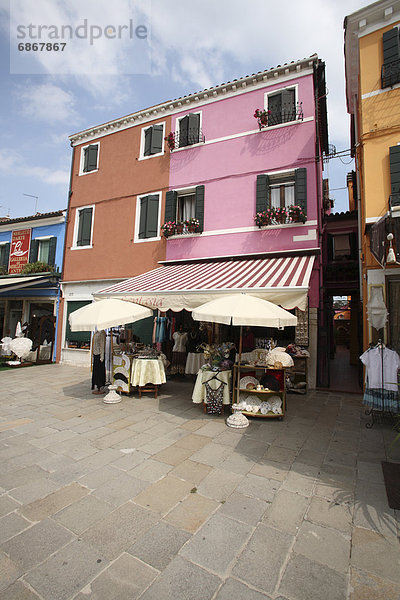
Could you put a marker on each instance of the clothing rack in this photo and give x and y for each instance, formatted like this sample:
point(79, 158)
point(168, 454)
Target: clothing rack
point(385, 412)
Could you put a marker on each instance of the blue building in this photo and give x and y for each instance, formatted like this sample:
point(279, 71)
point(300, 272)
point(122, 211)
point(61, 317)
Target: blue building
point(32, 298)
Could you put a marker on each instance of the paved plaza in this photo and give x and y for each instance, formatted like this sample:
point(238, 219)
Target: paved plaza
point(151, 499)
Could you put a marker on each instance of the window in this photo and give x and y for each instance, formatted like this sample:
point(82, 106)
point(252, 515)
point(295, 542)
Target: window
point(4, 254)
point(391, 58)
point(89, 158)
point(43, 249)
point(147, 217)
point(282, 107)
point(76, 339)
point(282, 190)
point(84, 227)
point(186, 207)
point(189, 131)
point(394, 157)
point(185, 204)
point(152, 143)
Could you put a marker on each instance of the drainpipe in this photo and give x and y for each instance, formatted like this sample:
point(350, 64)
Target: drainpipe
point(65, 243)
point(358, 148)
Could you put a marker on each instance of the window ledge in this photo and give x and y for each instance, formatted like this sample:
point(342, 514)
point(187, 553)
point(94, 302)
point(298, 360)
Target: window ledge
point(151, 156)
point(183, 235)
point(141, 241)
point(81, 247)
point(187, 147)
point(88, 172)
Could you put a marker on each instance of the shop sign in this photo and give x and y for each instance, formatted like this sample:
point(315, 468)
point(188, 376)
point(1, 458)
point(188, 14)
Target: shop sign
point(19, 253)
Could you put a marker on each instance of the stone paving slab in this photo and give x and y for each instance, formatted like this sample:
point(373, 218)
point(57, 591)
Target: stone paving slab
point(151, 498)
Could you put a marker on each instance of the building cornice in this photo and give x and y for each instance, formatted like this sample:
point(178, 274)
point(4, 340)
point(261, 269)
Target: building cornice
point(360, 23)
point(237, 86)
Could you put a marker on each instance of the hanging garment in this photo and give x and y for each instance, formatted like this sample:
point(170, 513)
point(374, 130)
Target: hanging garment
point(381, 389)
point(161, 329)
point(214, 399)
point(373, 360)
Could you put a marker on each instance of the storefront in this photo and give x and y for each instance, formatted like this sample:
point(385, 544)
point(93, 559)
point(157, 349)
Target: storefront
point(32, 301)
point(285, 280)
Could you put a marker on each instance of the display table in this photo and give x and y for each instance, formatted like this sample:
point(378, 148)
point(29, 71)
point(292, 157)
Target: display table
point(145, 370)
point(199, 390)
point(194, 362)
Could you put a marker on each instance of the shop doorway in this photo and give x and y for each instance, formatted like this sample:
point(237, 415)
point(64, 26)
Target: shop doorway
point(341, 368)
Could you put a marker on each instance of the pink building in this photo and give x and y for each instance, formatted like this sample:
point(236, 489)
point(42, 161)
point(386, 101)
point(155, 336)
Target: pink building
point(226, 166)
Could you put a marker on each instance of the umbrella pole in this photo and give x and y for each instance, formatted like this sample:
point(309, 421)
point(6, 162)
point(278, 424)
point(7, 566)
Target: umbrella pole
point(240, 360)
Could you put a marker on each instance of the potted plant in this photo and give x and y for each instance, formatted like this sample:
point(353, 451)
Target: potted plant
point(263, 218)
point(168, 228)
point(261, 116)
point(179, 227)
point(192, 225)
point(280, 215)
point(296, 214)
point(170, 139)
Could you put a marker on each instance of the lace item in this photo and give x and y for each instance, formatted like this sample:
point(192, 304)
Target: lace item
point(214, 399)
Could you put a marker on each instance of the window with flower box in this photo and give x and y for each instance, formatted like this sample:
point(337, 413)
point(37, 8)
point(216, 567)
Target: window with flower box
point(282, 107)
point(283, 194)
point(185, 208)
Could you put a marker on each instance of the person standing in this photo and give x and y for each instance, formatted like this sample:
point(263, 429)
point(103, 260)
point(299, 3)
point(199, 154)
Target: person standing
point(99, 365)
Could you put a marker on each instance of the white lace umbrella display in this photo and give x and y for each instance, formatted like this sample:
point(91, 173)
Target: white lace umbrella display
point(21, 346)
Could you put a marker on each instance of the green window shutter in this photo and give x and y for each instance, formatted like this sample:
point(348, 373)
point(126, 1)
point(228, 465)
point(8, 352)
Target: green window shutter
point(262, 193)
point(390, 40)
point(170, 205)
point(147, 141)
point(76, 336)
point(156, 139)
point(394, 154)
point(85, 227)
point(90, 163)
point(33, 251)
point(300, 189)
point(288, 106)
point(275, 108)
point(199, 206)
point(184, 131)
point(194, 128)
point(152, 216)
point(143, 217)
point(6, 255)
point(52, 251)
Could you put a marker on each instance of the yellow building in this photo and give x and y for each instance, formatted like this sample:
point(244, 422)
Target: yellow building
point(372, 63)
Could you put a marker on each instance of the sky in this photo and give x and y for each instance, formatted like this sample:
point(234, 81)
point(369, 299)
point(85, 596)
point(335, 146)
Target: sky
point(152, 51)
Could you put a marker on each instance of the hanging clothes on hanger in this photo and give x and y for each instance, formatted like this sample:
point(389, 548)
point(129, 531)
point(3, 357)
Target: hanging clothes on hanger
point(381, 389)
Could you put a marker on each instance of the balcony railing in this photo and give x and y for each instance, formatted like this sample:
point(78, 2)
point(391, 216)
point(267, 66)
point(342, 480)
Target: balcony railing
point(286, 115)
point(193, 136)
point(390, 73)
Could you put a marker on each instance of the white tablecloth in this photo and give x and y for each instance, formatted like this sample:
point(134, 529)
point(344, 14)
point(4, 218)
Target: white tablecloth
point(199, 391)
point(147, 371)
point(194, 362)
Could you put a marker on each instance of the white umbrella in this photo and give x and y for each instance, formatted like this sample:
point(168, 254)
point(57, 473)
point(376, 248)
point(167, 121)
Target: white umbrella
point(103, 314)
point(242, 309)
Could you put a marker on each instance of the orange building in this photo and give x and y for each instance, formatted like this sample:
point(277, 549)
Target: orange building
point(119, 176)
point(372, 57)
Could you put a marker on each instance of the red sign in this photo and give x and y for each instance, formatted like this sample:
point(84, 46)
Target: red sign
point(19, 252)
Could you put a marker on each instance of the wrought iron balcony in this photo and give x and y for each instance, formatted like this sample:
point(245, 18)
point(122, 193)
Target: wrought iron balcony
point(286, 115)
point(390, 73)
point(192, 136)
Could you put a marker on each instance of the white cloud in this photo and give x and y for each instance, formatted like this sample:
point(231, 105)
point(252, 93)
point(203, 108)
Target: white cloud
point(13, 163)
point(46, 102)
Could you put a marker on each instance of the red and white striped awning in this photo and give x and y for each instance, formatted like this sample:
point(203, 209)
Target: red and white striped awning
point(283, 280)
